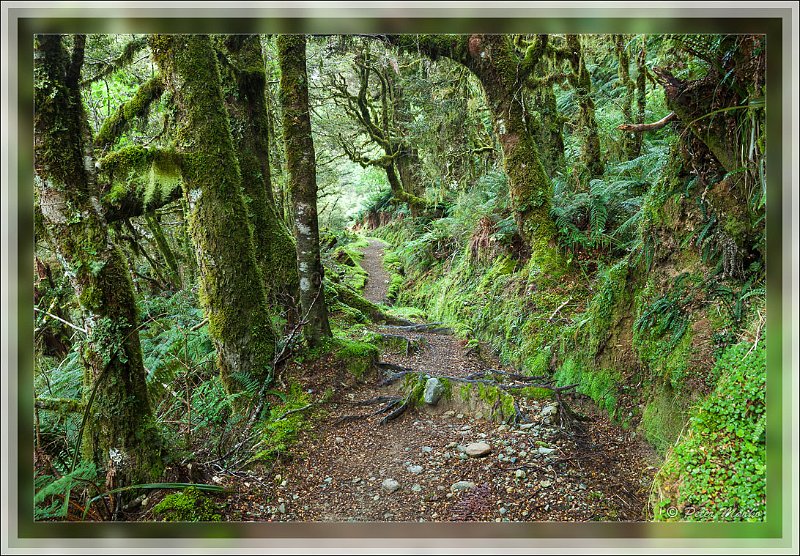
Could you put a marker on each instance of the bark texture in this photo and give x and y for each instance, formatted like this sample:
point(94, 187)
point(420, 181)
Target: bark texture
point(232, 287)
point(245, 82)
point(301, 166)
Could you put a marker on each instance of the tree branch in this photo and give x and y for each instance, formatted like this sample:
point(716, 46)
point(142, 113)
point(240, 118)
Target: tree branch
point(640, 128)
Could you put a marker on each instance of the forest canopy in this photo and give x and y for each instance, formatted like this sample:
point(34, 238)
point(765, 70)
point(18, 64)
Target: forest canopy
point(400, 277)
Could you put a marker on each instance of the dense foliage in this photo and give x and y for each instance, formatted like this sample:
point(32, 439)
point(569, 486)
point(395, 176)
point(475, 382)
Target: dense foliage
point(529, 201)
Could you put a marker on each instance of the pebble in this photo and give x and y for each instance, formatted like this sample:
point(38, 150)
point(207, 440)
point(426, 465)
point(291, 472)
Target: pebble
point(582, 486)
point(282, 508)
point(450, 413)
point(328, 480)
point(426, 449)
point(503, 511)
point(466, 427)
point(390, 485)
point(549, 410)
point(502, 428)
point(284, 483)
point(526, 426)
point(452, 445)
point(416, 487)
point(545, 484)
point(546, 451)
point(463, 485)
point(415, 469)
point(519, 474)
point(523, 453)
point(477, 449)
point(376, 497)
point(339, 440)
point(460, 416)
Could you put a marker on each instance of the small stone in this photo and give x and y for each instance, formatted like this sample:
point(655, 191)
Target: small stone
point(462, 455)
point(414, 469)
point(339, 440)
point(498, 519)
point(390, 485)
point(466, 427)
point(284, 483)
point(329, 480)
point(376, 497)
point(452, 445)
point(356, 480)
point(526, 426)
point(477, 449)
point(416, 487)
point(481, 435)
point(519, 474)
point(549, 410)
point(502, 428)
point(503, 511)
point(426, 449)
point(295, 496)
point(462, 485)
point(546, 451)
point(450, 413)
point(479, 415)
point(545, 484)
point(460, 416)
point(523, 453)
point(282, 508)
point(433, 391)
point(582, 486)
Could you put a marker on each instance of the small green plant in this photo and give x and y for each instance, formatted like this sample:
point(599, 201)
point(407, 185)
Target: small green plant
point(717, 471)
point(281, 427)
point(190, 504)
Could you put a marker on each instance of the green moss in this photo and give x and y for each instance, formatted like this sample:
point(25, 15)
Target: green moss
point(663, 419)
point(282, 425)
point(358, 357)
point(599, 384)
point(188, 505)
point(717, 471)
point(136, 107)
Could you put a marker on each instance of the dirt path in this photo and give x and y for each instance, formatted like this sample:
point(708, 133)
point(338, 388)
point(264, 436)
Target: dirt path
point(415, 468)
point(378, 281)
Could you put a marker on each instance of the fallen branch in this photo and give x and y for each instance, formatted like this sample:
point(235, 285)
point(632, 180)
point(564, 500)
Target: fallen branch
point(640, 128)
point(434, 327)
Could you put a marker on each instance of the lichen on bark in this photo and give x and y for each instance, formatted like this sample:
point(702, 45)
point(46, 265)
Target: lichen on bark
point(301, 166)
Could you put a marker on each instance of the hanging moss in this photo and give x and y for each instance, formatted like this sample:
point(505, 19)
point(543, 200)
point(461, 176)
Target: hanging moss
point(232, 291)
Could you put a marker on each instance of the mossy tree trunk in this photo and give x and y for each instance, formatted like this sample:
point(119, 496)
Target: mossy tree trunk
point(247, 108)
point(232, 287)
point(120, 431)
point(544, 124)
point(630, 143)
point(641, 94)
point(503, 74)
point(591, 157)
point(301, 166)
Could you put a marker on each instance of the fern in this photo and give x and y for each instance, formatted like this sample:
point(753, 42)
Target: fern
point(53, 494)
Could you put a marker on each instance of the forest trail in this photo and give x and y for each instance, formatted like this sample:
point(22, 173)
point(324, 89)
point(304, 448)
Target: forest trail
point(378, 281)
point(415, 468)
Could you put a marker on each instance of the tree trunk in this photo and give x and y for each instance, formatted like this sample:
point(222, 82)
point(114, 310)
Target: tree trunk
point(544, 124)
point(630, 142)
point(492, 58)
point(121, 432)
point(275, 248)
point(591, 157)
point(231, 285)
point(301, 165)
point(641, 94)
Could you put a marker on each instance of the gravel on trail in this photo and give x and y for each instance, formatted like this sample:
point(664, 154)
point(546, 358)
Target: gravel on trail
point(432, 463)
